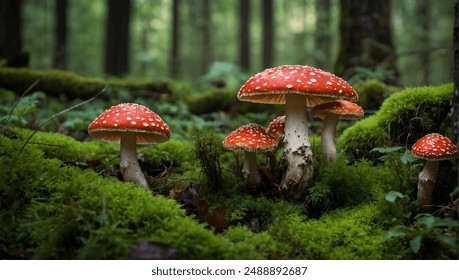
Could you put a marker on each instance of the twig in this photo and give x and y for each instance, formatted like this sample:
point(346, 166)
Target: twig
point(58, 114)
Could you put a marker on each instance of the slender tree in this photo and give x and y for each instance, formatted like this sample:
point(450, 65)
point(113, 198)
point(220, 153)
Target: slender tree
point(117, 40)
point(175, 39)
point(60, 34)
point(11, 33)
point(205, 26)
point(268, 33)
point(244, 34)
point(422, 18)
point(322, 34)
point(366, 38)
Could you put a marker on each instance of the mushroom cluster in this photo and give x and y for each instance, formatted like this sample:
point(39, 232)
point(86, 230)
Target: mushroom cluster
point(130, 124)
point(298, 87)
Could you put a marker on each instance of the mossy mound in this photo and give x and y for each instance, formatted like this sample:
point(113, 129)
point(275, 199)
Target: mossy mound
point(71, 85)
point(372, 93)
point(54, 210)
point(225, 99)
point(403, 118)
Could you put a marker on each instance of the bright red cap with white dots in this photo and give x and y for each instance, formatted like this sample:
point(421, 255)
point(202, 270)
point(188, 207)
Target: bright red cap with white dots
point(271, 85)
point(129, 118)
point(250, 138)
point(276, 128)
point(434, 146)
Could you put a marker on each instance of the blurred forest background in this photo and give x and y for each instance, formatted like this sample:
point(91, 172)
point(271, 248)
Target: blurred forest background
point(405, 43)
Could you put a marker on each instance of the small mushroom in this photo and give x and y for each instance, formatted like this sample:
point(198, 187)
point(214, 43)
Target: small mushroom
point(130, 124)
point(331, 113)
point(432, 148)
point(250, 138)
point(276, 129)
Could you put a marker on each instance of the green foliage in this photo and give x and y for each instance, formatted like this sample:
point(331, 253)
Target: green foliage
point(426, 235)
point(225, 74)
point(20, 112)
point(345, 184)
point(403, 118)
point(208, 151)
point(379, 73)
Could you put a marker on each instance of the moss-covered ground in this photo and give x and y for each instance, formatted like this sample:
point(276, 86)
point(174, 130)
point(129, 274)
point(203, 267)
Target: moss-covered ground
point(62, 197)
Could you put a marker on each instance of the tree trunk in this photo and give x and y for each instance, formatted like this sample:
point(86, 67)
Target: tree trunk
point(206, 46)
point(422, 18)
point(322, 34)
point(11, 34)
point(268, 33)
point(60, 34)
point(455, 100)
point(175, 45)
point(366, 39)
point(244, 34)
point(117, 40)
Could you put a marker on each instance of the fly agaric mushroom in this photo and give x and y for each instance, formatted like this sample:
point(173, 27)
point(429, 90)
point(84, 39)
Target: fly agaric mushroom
point(432, 148)
point(297, 87)
point(250, 138)
point(331, 113)
point(276, 129)
point(130, 124)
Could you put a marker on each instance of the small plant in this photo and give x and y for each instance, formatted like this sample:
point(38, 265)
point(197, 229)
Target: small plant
point(427, 231)
point(393, 156)
point(208, 151)
point(424, 232)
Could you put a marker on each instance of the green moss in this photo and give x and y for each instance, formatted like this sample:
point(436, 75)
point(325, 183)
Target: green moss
point(225, 100)
point(372, 93)
point(403, 118)
point(343, 234)
point(61, 212)
point(346, 184)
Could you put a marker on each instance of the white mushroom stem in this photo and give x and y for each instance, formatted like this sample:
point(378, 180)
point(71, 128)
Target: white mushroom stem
point(129, 165)
point(426, 182)
point(297, 148)
point(250, 171)
point(328, 137)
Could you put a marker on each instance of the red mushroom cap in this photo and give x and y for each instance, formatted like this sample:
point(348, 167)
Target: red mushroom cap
point(129, 118)
point(345, 109)
point(434, 146)
point(276, 128)
point(250, 138)
point(271, 85)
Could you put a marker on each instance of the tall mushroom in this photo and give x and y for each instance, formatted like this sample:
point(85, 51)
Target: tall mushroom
point(297, 87)
point(130, 124)
point(331, 113)
point(432, 148)
point(250, 138)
